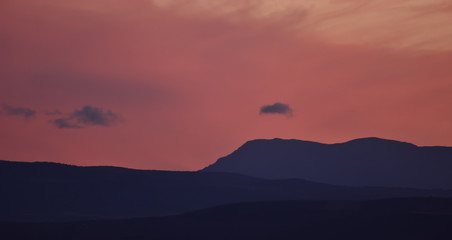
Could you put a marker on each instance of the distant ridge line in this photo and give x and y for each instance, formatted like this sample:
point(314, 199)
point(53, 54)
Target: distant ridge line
point(368, 161)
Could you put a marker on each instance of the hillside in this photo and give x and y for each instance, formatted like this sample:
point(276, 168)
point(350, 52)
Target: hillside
point(411, 218)
point(54, 192)
point(360, 162)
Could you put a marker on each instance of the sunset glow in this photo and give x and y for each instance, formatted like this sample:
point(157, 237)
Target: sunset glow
point(176, 84)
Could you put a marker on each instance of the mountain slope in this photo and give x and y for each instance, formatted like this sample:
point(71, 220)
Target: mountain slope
point(360, 162)
point(53, 192)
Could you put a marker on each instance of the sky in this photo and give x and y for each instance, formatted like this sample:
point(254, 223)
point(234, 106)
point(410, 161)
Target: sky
point(176, 84)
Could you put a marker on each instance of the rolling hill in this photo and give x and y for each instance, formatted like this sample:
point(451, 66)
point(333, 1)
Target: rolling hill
point(57, 192)
point(410, 218)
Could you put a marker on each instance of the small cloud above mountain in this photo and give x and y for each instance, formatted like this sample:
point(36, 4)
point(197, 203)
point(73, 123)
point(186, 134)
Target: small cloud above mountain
point(277, 108)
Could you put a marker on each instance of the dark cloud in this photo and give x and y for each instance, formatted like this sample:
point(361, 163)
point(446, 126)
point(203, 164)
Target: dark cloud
point(87, 116)
point(277, 108)
point(18, 111)
point(64, 123)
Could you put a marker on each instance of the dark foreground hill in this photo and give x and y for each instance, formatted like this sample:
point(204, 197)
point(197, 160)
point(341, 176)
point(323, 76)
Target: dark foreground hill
point(417, 218)
point(54, 192)
point(361, 162)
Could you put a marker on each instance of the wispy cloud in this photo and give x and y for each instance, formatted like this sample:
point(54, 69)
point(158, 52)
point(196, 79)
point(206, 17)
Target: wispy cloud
point(87, 116)
point(18, 111)
point(415, 24)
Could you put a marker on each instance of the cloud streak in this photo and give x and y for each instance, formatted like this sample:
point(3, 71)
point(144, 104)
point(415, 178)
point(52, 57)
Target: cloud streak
point(18, 111)
point(277, 108)
point(87, 116)
point(416, 24)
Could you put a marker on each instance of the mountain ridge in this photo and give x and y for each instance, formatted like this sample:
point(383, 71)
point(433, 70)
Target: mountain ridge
point(358, 162)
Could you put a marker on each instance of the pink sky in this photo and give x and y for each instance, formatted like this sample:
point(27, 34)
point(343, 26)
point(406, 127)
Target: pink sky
point(188, 77)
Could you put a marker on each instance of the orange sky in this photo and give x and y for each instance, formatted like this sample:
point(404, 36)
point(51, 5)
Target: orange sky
point(188, 77)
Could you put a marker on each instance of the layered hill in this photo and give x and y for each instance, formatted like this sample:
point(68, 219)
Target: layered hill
point(360, 162)
point(411, 218)
point(55, 192)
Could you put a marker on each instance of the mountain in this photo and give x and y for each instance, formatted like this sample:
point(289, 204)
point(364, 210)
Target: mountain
point(407, 218)
point(360, 162)
point(55, 192)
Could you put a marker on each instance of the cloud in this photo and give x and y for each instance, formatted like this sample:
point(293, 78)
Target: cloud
point(18, 111)
point(396, 24)
point(64, 123)
point(277, 108)
point(87, 116)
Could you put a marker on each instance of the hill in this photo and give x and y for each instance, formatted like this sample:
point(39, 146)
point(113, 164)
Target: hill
point(360, 162)
point(55, 192)
point(411, 218)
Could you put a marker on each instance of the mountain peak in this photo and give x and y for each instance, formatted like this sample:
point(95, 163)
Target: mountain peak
point(376, 140)
point(276, 140)
point(365, 140)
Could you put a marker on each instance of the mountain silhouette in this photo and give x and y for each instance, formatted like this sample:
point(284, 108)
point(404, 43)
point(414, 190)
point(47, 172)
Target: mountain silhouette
point(360, 162)
point(56, 192)
point(407, 218)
